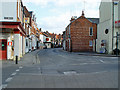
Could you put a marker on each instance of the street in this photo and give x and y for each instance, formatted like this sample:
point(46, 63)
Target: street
point(55, 68)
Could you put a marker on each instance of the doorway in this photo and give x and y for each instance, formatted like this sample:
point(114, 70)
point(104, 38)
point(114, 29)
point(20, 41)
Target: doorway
point(3, 49)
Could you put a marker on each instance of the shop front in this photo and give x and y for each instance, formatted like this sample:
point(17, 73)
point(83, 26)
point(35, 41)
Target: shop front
point(11, 40)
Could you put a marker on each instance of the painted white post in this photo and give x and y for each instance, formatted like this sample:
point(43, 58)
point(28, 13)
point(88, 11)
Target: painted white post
point(8, 49)
point(17, 46)
point(21, 45)
point(24, 45)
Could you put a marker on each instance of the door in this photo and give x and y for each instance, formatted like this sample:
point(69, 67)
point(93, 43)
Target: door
point(3, 49)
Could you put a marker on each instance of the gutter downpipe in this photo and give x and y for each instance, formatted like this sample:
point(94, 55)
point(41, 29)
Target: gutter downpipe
point(112, 25)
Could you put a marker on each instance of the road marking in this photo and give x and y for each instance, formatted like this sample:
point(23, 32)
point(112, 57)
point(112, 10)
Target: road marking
point(102, 61)
point(20, 67)
point(9, 79)
point(62, 56)
point(13, 74)
point(0, 87)
point(80, 64)
point(3, 86)
point(17, 70)
point(99, 72)
point(70, 73)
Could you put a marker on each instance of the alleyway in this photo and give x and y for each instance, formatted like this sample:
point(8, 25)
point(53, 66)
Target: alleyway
point(55, 68)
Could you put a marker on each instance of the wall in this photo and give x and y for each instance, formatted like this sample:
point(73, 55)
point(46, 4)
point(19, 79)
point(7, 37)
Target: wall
point(9, 9)
point(80, 35)
point(34, 41)
point(106, 12)
point(48, 45)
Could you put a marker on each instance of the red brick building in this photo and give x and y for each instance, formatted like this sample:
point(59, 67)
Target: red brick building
point(81, 34)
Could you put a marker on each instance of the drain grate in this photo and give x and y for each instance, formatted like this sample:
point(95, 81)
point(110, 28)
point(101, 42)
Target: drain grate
point(70, 73)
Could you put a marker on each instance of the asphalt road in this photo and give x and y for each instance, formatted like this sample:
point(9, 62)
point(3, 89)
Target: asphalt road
point(55, 68)
point(56, 61)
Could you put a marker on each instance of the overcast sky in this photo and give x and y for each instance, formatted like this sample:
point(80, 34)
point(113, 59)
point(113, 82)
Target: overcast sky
point(55, 15)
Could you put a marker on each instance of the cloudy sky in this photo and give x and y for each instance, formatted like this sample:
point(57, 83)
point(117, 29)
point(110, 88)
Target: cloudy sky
point(55, 15)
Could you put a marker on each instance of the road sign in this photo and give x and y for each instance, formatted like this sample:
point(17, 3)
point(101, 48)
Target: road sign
point(10, 43)
point(117, 24)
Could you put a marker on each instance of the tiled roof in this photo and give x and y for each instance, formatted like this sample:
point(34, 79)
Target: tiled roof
point(94, 20)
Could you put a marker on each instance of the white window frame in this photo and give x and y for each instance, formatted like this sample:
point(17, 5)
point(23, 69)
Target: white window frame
point(90, 43)
point(90, 31)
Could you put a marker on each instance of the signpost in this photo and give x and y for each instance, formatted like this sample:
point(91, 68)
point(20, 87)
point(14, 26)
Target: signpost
point(117, 38)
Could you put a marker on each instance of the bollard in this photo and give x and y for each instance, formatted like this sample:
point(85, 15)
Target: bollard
point(16, 61)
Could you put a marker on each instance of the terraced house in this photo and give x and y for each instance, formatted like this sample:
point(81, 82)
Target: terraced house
point(18, 30)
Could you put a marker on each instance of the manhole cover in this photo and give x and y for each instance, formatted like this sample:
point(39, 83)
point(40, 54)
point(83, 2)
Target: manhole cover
point(70, 73)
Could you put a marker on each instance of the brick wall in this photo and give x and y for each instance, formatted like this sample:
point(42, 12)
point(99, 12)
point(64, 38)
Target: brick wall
point(79, 32)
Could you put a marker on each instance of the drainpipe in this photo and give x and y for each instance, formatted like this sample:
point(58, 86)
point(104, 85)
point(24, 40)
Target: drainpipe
point(112, 25)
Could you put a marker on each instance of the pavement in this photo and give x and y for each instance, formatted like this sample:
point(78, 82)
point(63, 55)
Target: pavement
point(92, 54)
point(8, 68)
point(27, 59)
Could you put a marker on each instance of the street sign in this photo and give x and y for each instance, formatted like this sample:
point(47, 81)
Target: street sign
point(117, 24)
point(10, 43)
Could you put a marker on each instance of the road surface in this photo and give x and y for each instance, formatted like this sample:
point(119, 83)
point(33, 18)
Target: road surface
point(55, 68)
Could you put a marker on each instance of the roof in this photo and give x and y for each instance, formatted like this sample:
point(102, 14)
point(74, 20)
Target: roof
point(94, 20)
point(44, 34)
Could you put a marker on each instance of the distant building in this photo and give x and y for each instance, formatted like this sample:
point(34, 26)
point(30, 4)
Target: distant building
point(81, 34)
point(45, 40)
point(108, 27)
point(59, 40)
point(64, 40)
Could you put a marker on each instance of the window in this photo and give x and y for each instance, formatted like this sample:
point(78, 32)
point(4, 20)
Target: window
point(91, 31)
point(106, 31)
point(90, 43)
point(26, 42)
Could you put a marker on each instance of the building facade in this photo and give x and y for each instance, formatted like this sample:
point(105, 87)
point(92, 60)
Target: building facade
point(64, 40)
point(108, 27)
point(12, 32)
point(18, 30)
point(81, 34)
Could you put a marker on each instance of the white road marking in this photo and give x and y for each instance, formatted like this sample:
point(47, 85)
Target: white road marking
point(102, 61)
point(9, 79)
point(70, 73)
point(3, 86)
point(17, 70)
point(100, 72)
point(13, 74)
point(20, 67)
point(83, 64)
point(0, 87)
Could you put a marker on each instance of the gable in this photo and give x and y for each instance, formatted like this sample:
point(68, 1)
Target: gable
point(81, 22)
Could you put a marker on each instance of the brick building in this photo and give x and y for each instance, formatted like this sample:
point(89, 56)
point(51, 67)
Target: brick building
point(81, 34)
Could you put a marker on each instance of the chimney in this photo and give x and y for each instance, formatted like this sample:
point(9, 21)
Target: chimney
point(72, 19)
point(83, 13)
point(40, 29)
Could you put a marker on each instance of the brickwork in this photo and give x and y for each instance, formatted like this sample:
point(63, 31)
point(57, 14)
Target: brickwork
point(80, 35)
